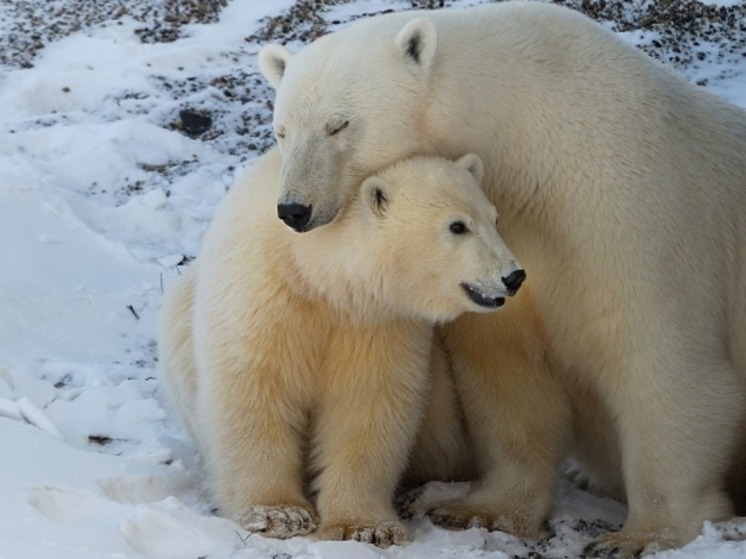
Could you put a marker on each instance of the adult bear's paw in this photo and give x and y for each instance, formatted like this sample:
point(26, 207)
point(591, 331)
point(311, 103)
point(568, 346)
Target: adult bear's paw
point(628, 545)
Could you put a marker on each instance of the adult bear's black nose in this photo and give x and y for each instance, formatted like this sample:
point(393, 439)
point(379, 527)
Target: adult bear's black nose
point(514, 280)
point(296, 216)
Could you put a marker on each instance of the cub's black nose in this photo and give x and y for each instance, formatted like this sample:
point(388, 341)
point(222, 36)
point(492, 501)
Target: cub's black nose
point(514, 280)
point(295, 216)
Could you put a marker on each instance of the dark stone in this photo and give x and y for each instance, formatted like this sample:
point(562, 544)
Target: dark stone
point(195, 123)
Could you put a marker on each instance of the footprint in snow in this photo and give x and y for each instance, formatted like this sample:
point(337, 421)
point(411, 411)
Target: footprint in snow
point(147, 489)
point(66, 505)
point(171, 530)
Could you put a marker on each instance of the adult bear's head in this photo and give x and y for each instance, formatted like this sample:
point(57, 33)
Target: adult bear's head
point(346, 106)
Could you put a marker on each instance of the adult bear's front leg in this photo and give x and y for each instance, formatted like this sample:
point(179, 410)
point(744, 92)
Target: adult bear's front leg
point(678, 427)
point(366, 427)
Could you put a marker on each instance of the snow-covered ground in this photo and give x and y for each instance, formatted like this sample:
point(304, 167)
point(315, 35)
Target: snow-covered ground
point(115, 147)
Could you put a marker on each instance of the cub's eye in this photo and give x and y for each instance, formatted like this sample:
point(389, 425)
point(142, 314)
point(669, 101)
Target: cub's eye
point(458, 228)
point(333, 129)
point(280, 134)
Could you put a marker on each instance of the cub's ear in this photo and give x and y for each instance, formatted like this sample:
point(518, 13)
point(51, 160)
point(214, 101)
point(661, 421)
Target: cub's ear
point(273, 60)
point(472, 163)
point(417, 41)
point(375, 193)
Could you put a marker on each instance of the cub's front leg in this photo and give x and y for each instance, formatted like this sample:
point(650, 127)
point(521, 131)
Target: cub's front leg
point(252, 434)
point(519, 418)
point(376, 390)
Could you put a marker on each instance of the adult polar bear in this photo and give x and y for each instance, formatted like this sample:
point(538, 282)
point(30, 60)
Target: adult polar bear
point(622, 189)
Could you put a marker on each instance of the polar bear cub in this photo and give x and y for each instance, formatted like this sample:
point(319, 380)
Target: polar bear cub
point(306, 357)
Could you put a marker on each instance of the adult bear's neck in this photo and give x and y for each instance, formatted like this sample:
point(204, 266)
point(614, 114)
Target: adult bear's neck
point(514, 176)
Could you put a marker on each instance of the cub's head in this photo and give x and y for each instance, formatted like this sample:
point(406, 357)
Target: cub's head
point(347, 105)
point(433, 238)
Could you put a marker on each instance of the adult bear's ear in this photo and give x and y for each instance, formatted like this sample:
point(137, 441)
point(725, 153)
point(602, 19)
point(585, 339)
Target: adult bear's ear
point(417, 41)
point(472, 163)
point(375, 193)
point(273, 61)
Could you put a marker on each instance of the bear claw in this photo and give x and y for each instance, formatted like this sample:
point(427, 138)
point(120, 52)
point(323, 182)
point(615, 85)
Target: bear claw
point(382, 534)
point(621, 545)
point(457, 517)
point(280, 521)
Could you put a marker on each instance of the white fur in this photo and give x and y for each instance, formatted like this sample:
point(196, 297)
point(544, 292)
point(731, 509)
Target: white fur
point(622, 189)
point(294, 356)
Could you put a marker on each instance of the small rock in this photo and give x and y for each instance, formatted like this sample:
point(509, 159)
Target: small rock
point(194, 123)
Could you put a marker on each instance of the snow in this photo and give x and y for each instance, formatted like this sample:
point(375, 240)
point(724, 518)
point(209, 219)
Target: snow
point(101, 197)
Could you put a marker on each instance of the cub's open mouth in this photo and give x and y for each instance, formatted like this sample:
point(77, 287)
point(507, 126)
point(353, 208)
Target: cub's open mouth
point(481, 299)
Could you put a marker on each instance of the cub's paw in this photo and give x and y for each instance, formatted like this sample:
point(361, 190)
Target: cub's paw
point(628, 545)
point(455, 516)
point(280, 521)
point(381, 534)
